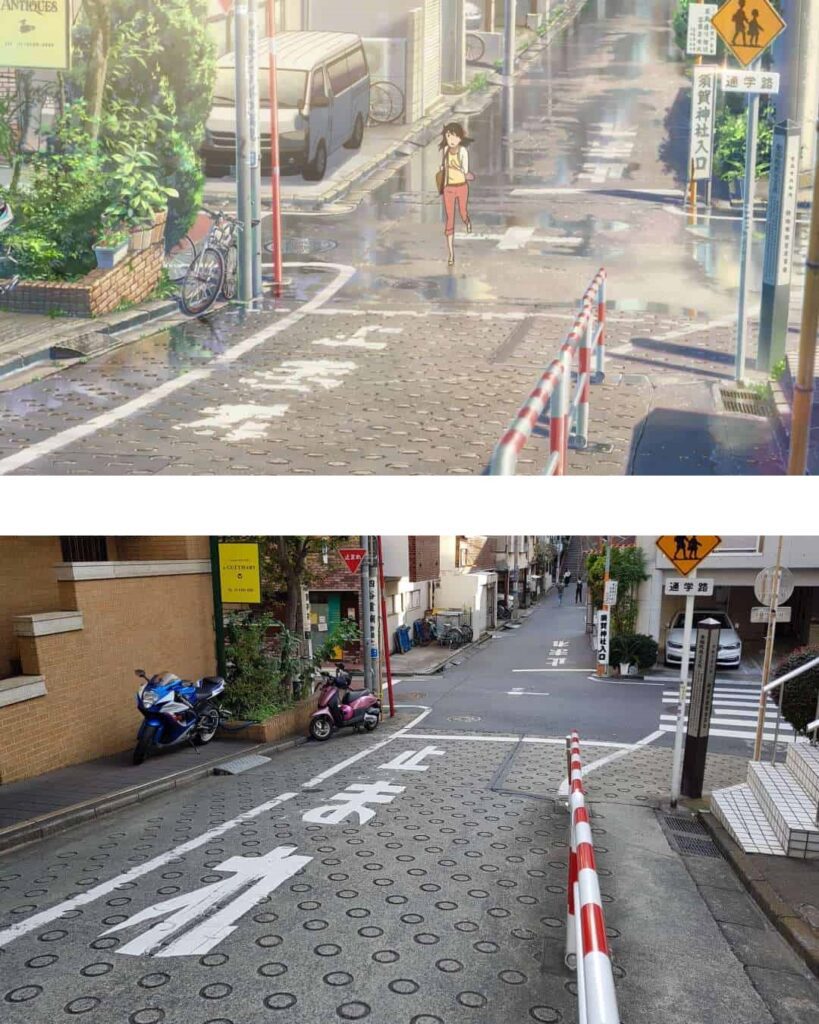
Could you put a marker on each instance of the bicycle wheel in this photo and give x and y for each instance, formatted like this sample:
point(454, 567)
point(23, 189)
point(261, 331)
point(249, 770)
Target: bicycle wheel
point(386, 103)
point(203, 282)
point(179, 259)
point(231, 281)
point(475, 48)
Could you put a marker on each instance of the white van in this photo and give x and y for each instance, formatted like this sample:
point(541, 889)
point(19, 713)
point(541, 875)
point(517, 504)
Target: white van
point(323, 85)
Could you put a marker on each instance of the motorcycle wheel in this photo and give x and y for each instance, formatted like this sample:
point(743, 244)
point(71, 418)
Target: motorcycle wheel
point(320, 729)
point(369, 726)
point(209, 723)
point(144, 744)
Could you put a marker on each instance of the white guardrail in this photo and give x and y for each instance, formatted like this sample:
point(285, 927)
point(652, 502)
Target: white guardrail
point(587, 950)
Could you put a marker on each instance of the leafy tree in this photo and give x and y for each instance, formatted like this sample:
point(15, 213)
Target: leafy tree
point(679, 23)
point(800, 699)
point(628, 567)
point(730, 142)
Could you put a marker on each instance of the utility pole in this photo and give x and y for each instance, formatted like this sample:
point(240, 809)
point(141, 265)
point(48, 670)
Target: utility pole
point(255, 147)
point(366, 621)
point(510, 14)
point(769, 649)
point(747, 230)
point(243, 202)
point(384, 630)
point(275, 171)
point(803, 385)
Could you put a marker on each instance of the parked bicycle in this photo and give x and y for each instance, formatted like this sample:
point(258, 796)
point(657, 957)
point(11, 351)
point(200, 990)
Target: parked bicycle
point(214, 269)
point(386, 103)
point(9, 278)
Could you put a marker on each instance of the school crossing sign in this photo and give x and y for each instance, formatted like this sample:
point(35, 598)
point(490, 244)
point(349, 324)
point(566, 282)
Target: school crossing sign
point(35, 34)
point(748, 27)
point(686, 552)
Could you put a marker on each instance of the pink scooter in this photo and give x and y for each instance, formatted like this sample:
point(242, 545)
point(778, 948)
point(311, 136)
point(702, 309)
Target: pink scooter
point(359, 708)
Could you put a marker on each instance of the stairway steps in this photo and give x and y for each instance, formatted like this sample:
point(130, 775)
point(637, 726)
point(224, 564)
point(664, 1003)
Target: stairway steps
point(802, 762)
point(740, 813)
point(788, 808)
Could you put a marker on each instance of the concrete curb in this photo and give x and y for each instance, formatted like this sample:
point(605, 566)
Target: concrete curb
point(798, 933)
point(435, 669)
point(35, 829)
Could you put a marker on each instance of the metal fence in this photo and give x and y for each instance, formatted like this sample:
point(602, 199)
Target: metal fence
point(587, 950)
point(587, 341)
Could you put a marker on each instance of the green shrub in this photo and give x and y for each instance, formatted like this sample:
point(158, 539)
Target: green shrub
point(799, 700)
point(729, 143)
point(635, 648)
point(254, 673)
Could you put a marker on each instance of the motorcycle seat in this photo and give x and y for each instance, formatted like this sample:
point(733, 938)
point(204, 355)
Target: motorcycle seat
point(355, 694)
point(208, 685)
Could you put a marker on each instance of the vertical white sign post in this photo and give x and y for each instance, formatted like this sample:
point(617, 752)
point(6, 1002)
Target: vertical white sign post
point(703, 106)
point(780, 229)
point(702, 37)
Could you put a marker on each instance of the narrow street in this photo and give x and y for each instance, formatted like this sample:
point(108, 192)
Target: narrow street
point(381, 359)
point(415, 875)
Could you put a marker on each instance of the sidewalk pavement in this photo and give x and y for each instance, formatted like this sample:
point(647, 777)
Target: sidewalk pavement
point(50, 803)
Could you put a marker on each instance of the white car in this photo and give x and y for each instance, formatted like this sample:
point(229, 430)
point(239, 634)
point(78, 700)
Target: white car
point(474, 15)
point(729, 654)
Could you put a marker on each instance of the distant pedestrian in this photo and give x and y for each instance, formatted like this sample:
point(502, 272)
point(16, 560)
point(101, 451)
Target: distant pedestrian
point(560, 589)
point(453, 179)
point(578, 592)
point(566, 577)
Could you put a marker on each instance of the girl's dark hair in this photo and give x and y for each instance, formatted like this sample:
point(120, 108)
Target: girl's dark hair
point(457, 129)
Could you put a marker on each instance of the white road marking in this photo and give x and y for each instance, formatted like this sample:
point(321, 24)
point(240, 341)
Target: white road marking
point(735, 719)
point(301, 375)
point(550, 670)
point(736, 734)
point(163, 391)
point(359, 339)
point(644, 742)
point(472, 737)
point(410, 760)
point(242, 422)
point(353, 800)
point(526, 693)
point(515, 237)
point(45, 917)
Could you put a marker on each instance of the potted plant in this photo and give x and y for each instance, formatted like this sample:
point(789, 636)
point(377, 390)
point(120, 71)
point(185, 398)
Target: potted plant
point(111, 246)
point(140, 200)
point(629, 649)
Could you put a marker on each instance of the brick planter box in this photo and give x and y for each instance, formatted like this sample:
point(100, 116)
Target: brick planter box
point(294, 721)
point(96, 294)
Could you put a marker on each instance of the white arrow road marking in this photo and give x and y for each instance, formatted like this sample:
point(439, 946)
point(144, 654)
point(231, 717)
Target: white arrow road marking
point(242, 422)
point(563, 789)
point(359, 339)
point(525, 693)
point(410, 760)
point(253, 879)
point(158, 394)
point(301, 375)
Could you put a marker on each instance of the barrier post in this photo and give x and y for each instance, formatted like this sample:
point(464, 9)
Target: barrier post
point(600, 347)
point(581, 425)
point(557, 420)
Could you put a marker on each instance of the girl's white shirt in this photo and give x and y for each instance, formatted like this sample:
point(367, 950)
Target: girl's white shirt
point(463, 157)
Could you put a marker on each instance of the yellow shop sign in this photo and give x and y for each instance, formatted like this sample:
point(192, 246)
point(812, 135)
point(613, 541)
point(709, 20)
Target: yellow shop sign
point(239, 573)
point(35, 34)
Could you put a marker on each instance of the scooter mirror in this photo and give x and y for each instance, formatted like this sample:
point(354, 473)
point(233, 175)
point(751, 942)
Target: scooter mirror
point(140, 672)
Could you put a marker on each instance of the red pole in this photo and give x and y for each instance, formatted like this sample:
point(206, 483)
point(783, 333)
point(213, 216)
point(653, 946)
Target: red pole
point(386, 641)
point(275, 179)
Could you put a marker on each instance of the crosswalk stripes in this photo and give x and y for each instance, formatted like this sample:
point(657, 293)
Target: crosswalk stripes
point(733, 716)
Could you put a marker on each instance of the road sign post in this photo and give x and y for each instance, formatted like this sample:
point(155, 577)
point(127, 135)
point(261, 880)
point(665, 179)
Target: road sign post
point(771, 587)
point(243, 156)
point(699, 712)
point(366, 621)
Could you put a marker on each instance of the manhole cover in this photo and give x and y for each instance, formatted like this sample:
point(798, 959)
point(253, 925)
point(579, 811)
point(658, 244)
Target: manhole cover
point(464, 718)
point(303, 246)
point(745, 401)
point(685, 825)
point(693, 846)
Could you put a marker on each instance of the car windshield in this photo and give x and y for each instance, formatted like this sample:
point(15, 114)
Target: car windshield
point(290, 88)
point(721, 617)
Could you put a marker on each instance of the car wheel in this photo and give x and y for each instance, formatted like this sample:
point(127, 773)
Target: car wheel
point(314, 171)
point(355, 140)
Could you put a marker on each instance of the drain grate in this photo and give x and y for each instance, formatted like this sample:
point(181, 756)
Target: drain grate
point(694, 846)
point(744, 401)
point(685, 825)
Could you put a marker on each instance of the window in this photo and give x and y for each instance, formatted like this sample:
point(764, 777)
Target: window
point(739, 546)
point(357, 65)
point(415, 599)
point(84, 549)
point(339, 75)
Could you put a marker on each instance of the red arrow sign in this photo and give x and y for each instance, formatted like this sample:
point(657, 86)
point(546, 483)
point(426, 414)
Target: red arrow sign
point(226, 5)
point(353, 557)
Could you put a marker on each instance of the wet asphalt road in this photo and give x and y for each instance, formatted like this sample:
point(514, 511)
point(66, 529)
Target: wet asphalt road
point(381, 359)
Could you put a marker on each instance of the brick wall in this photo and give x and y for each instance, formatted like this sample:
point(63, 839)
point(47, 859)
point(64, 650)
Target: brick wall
point(27, 585)
point(96, 294)
point(424, 558)
point(155, 623)
point(137, 549)
point(334, 576)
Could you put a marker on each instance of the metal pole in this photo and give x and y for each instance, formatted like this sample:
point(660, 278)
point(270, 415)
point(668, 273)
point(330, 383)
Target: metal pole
point(676, 766)
point(603, 670)
point(510, 14)
point(366, 624)
point(218, 611)
point(747, 232)
point(244, 212)
point(255, 147)
point(275, 172)
point(385, 634)
point(769, 643)
point(803, 385)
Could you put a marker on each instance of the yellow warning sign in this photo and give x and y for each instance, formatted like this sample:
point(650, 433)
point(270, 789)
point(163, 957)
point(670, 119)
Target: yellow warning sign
point(35, 34)
point(747, 27)
point(687, 552)
point(239, 573)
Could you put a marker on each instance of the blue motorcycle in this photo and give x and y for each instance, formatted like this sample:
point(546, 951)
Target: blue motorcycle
point(177, 711)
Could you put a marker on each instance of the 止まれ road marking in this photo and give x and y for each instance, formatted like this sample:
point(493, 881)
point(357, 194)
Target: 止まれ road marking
point(163, 391)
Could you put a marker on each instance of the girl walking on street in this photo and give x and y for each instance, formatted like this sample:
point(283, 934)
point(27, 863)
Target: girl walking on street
point(453, 181)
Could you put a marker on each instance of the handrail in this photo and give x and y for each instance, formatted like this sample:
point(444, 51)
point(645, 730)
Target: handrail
point(772, 685)
point(587, 950)
point(812, 727)
point(553, 389)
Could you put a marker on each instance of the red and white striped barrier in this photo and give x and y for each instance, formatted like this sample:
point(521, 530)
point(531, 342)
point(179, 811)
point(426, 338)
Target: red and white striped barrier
point(587, 949)
point(587, 337)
